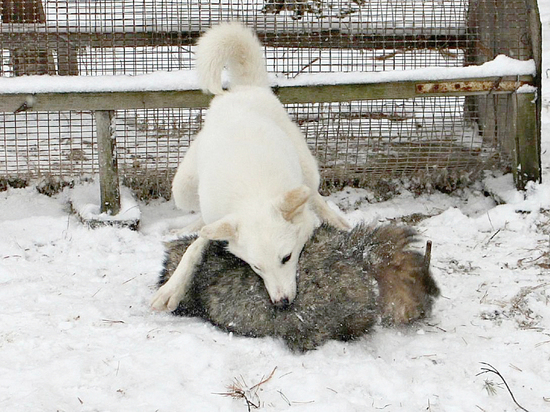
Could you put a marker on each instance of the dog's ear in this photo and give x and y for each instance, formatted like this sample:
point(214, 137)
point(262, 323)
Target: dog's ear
point(223, 229)
point(293, 202)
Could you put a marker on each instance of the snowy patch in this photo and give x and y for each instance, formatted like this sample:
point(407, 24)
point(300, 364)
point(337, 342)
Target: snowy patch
point(503, 189)
point(527, 88)
point(75, 312)
point(158, 81)
point(85, 200)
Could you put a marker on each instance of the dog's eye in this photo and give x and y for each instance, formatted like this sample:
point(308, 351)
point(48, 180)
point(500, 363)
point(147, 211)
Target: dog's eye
point(286, 258)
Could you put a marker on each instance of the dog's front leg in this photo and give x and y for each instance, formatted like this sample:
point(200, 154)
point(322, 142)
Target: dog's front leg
point(172, 292)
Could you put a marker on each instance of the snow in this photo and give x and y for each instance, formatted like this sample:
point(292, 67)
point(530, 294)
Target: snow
point(178, 80)
point(77, 334)
point(85, 201)
point(162, 80)
point(500, 66)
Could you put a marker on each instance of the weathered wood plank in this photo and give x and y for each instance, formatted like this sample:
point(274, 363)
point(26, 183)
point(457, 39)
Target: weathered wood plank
point(82, 101)
point(500, 28)
point(535, 25)
point(52, 37)
point(526, 134)
point(108, 168)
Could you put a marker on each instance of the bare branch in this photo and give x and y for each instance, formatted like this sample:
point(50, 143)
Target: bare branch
point(491, 369)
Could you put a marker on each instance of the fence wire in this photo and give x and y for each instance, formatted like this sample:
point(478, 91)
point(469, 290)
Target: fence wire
point(354, 141)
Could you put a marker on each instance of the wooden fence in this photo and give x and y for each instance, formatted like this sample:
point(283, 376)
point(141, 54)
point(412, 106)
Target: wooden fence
point(37, 43)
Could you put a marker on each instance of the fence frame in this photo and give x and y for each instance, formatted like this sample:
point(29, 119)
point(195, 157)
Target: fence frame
point(525, 145)
point(524, 141)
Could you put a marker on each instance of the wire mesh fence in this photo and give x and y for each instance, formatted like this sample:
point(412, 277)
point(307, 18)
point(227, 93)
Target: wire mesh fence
point(355, 142)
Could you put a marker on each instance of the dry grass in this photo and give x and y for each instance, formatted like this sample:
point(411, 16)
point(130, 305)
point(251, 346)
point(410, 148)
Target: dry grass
point(239, 389)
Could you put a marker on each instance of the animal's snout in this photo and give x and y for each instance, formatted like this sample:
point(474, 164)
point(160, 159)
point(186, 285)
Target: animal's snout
point(282, 290)
point(282, 304)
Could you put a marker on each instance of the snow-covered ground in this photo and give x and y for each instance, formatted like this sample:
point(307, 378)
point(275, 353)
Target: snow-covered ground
point(77, 334)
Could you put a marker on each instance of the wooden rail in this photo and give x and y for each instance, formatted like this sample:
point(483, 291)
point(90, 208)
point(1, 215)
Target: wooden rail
point(14, 35)
point(524, 146)
point(120, 100)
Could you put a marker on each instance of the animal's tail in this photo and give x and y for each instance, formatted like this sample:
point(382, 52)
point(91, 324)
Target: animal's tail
point(233, 46)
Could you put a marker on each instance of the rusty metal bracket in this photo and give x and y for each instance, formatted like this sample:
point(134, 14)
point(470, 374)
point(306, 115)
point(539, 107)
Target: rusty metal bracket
point(470, 86)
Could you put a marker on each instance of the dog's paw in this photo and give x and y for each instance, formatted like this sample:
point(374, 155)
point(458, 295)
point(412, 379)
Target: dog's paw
point(167, 297)
point(341, 223)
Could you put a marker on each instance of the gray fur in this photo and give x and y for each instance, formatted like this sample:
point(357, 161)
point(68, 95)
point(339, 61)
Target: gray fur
point(347, 282)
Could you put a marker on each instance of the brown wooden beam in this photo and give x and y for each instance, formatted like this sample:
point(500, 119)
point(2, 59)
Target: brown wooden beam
point(289, 94)
point(51, 37)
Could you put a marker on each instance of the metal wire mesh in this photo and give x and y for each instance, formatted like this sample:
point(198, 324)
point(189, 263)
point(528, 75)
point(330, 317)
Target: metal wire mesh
point(47, 144)
point(364, 141)
point(357, 140)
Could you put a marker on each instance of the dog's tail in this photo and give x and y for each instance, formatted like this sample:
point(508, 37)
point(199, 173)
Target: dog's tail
point(233, 46)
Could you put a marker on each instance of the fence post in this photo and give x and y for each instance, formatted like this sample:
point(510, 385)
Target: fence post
point(495, 29)
point(535, 25)
point(108, 168)
point(526, 131)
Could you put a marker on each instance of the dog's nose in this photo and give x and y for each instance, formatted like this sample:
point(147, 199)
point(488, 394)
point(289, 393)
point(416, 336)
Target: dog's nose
point(282, 304)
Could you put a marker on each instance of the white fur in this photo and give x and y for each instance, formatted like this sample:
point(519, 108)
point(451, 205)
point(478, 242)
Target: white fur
point(233, 46)
point(249, 172)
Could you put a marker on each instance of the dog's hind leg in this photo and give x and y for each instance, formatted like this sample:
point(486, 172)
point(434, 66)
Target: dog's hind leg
point(326, 214)
point(185, 186)
point(192, 227)
point(312, 179)
point(172, 292)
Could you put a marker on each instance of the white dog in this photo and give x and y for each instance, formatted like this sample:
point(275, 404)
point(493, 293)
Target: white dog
point(249, 172)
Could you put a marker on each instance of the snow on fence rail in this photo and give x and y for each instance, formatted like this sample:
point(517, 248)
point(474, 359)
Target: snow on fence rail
point(381, 89)
point(184, 80)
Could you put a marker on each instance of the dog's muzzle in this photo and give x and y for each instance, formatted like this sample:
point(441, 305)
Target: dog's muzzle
point(282, 304)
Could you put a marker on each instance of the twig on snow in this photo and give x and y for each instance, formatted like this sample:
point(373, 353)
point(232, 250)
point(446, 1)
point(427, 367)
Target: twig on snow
point(284, 398)
point(492, 237)
point(303, 69)
point(239, 390)
point(265, 380)
point(491, 369)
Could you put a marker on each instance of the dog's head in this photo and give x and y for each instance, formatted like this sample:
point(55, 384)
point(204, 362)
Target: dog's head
point(270, 239)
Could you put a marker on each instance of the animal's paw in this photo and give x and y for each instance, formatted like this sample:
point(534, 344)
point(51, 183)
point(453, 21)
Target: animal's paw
point(402, 312)
point(167, 297)
point(341, 223)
